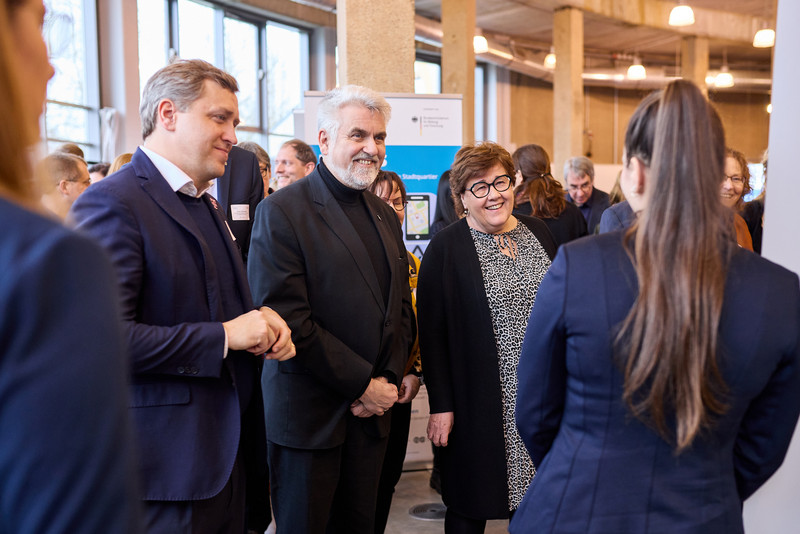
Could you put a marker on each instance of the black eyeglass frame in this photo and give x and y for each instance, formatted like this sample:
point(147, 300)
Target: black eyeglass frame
point(490, 185)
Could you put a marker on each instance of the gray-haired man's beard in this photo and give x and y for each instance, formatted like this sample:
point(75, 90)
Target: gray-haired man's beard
point(355, 176)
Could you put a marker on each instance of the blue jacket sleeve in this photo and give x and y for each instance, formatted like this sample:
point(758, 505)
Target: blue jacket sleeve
point(66, 452)
point(542, 371)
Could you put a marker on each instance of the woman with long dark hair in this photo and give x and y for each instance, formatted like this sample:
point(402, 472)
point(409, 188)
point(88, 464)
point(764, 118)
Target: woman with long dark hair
point(648, 398)
point(540, 195)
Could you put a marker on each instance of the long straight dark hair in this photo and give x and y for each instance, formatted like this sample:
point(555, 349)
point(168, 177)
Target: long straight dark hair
point(681, 248)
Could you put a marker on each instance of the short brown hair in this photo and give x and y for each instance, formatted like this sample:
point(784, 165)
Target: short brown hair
point(472, 161)
point(182, 82)
point(391, 179)
point(303, 152)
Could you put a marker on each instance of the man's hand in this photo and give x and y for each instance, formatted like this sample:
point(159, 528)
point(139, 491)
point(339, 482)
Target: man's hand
point(409, 388)
point(439, 427)
point(250, 332)
point(283, 348)
point(379, 397)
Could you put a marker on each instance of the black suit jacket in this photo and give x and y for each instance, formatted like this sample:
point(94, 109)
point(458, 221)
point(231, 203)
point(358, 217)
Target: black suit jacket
point(599, 203)
point(308, 263)
point(239, 191)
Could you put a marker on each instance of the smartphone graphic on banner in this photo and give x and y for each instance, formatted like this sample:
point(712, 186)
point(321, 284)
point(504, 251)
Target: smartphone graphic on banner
point(418, 217)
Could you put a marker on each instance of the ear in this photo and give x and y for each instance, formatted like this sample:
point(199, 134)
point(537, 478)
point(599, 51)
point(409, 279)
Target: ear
point(518, 176)
point(167, 114)
point(323, 142)
point(310, 167)
point(639, 173)
point(63, 187)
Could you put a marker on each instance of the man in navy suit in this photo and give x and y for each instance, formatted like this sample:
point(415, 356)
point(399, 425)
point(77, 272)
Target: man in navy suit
point(579, 177)
point(330, 258)
point(239, 191)
point(195, 340)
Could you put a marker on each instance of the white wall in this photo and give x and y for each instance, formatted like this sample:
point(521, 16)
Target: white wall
point(775, 508)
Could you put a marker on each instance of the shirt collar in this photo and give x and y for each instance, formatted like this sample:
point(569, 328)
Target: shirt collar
point(178, 180)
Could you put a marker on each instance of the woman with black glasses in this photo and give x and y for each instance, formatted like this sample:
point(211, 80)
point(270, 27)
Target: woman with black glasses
point(540, 195)
point(476, 288)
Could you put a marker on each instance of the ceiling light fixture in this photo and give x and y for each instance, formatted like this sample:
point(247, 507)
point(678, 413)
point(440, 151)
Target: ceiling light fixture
point(681, 15)
point(550, 59)
point(637, 71)
point(480, 45)
point(764, 38)
point(724, 79)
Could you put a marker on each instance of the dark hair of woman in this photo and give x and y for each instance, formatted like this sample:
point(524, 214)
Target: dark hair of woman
point(683, 242)
point(544, 193)
point(388, 179)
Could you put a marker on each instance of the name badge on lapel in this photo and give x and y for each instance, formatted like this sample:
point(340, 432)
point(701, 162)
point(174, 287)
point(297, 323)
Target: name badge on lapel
point(240, 212)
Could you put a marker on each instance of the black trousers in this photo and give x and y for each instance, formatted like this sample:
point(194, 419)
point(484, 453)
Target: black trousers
point(224, 513)
point(392, 463)
point(327, 491)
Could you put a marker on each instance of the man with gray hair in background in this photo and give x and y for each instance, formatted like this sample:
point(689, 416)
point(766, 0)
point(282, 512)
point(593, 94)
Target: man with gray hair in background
point(579, 177)
point(329, 257)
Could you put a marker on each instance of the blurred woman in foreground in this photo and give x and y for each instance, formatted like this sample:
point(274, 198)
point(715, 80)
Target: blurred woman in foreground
point(648, 398)
point(65, 448)
point(476, 287)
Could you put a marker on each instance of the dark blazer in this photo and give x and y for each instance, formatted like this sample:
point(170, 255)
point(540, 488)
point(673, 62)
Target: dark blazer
point(66, 447)
point(600, 470)
point(569, 224)
point(239, 191)
point(308, 263)
point(459, 359)
point(620, 216)
point(598, 202)
point(185, 398)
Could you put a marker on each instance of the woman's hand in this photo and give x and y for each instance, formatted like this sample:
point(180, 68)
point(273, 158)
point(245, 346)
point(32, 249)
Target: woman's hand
point(439, 427)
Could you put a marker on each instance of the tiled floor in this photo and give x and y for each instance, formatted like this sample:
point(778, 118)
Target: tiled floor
point(413, 489)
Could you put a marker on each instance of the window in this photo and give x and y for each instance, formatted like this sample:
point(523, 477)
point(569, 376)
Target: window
point(71, 112)
point(287, 79)
point(268, 60)
point(427, 77)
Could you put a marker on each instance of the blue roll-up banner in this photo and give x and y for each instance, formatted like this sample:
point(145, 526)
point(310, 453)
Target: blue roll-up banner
point(422, 139)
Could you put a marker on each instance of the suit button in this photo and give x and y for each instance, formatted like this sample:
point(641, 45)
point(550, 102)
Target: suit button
point(387, 324)
point(195, 370)
point(181, 370)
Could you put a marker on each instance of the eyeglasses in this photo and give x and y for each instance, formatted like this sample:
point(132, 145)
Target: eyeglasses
point(86, 182)
point(735, 179)
point(398, 205)
point(481, 189)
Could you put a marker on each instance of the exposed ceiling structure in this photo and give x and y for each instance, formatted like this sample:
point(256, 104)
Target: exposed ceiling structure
point(615, 31)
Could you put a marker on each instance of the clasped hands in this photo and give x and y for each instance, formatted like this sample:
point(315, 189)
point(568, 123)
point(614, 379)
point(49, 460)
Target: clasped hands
point(261, 331)
point(379, 396)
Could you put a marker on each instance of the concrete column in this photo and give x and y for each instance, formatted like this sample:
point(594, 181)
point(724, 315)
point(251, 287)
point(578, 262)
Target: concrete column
point(458, 58)
point(694, 61)
point(567, 87)
point(376, 44)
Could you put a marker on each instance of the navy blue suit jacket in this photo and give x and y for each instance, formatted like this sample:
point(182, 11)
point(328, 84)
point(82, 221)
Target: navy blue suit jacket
point(185, 398)
point(618, 217)
point(66, 447)
point(600, 470)
point(239, 191)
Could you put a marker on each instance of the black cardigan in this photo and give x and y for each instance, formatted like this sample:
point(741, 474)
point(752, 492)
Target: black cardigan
point(459, 359)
